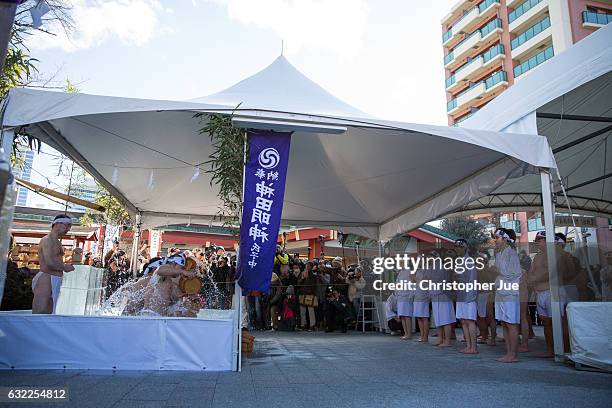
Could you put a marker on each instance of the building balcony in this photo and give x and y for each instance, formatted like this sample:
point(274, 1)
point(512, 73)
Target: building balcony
point(526, 14)
point(533, 62)
point(532, 38)
point(513, 3)
point(512, 224)
point(595, 20)
point(469, 21)
point(477, 91)
point(464, 117)
point(535, 224)
point(451, 84)
point(477, 66)
point(470, 45)
point(459, 8)
point(446, 37)
point(471, 95)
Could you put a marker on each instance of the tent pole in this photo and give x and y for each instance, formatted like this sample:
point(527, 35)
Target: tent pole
point(7, 206)
point(238, 289)
point(136, 245)
point(7, 18)
point(553, 276)
point(380, 254)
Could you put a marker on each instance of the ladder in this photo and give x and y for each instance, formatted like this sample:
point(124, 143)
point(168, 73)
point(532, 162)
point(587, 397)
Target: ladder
point(367, 302)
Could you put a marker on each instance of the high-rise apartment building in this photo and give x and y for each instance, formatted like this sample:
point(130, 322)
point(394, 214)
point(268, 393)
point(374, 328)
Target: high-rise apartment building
point(87, 192)
point(490, 44)
point(25, 173)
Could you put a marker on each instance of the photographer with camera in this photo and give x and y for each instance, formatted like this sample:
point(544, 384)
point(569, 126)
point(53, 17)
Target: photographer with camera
point(356, 283)
point(323, 281)
point(307, 287)
point(282, 269)
point(220, 275)
point(337, 312)
point(111, 252)
point(118, 272)
point(338, 276)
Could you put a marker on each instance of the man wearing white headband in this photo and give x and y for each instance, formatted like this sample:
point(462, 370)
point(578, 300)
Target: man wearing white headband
point(507, 306)
point(47, 283)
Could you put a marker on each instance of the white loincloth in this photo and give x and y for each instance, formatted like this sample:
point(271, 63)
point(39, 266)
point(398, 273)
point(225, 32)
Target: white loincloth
point(420, 309)
point(443, 310)
point(543, 304)
point(567, 293)
point(508, 308)
point(405, 308)
point(56, 285)
point(482, 300)
point(466, 310)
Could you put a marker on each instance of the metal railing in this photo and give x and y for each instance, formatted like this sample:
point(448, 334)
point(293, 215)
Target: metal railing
point(492, 52)
point(496, 78)
point(535, 224)
point(449, 81)
point(491, 26)
point(530, 32)
point(534, 61)
point(485, 56)
point(448, 58)
point(484, 31)
point(513, 224)
point(596, 18)
point(489, 82)
point(447, 36)
point(522, 9)
point(485, 5)
point(481, 7)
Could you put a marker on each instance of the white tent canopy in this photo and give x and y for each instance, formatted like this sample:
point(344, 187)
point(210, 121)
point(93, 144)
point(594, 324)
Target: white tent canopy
point(298, 94)
point(378, 178)
point(568, 99)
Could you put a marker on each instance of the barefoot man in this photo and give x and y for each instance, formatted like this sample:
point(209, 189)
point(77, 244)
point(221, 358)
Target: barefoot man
point(540, 279)
point(507, 307)
point(466, 309)
point(47, 283)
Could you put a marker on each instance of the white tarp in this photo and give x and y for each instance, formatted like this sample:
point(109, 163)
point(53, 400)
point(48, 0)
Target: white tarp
point(380, 178)
point(576, 82)
point(590, 326)
point(106, 343)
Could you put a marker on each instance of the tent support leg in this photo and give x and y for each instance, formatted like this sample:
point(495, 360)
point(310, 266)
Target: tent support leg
point(136, 245)
point(553, 276)
point(237, 287)
point(381, 327)
point(7, 206)
point(237, 346)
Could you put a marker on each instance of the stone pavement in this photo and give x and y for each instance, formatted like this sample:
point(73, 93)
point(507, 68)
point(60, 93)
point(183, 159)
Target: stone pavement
point(331, 369)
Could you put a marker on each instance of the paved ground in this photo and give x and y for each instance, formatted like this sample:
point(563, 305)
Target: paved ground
point(356, 370)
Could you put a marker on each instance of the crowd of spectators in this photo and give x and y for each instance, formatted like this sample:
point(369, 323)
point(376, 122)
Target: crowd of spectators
point(307, 295)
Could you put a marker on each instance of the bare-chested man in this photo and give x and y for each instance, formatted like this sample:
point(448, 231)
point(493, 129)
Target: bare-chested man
point(540, 280)
point(46, 284)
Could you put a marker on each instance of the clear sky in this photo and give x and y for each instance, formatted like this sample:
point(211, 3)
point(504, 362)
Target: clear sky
point(382, 56)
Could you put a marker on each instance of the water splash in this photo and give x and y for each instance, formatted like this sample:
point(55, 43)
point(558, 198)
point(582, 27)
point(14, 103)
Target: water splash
point(153, 295)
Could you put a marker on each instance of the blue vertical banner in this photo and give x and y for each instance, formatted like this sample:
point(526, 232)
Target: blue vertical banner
point(264, 189)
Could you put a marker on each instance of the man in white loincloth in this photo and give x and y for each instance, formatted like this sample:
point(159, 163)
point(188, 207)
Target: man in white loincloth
point(47, 283)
